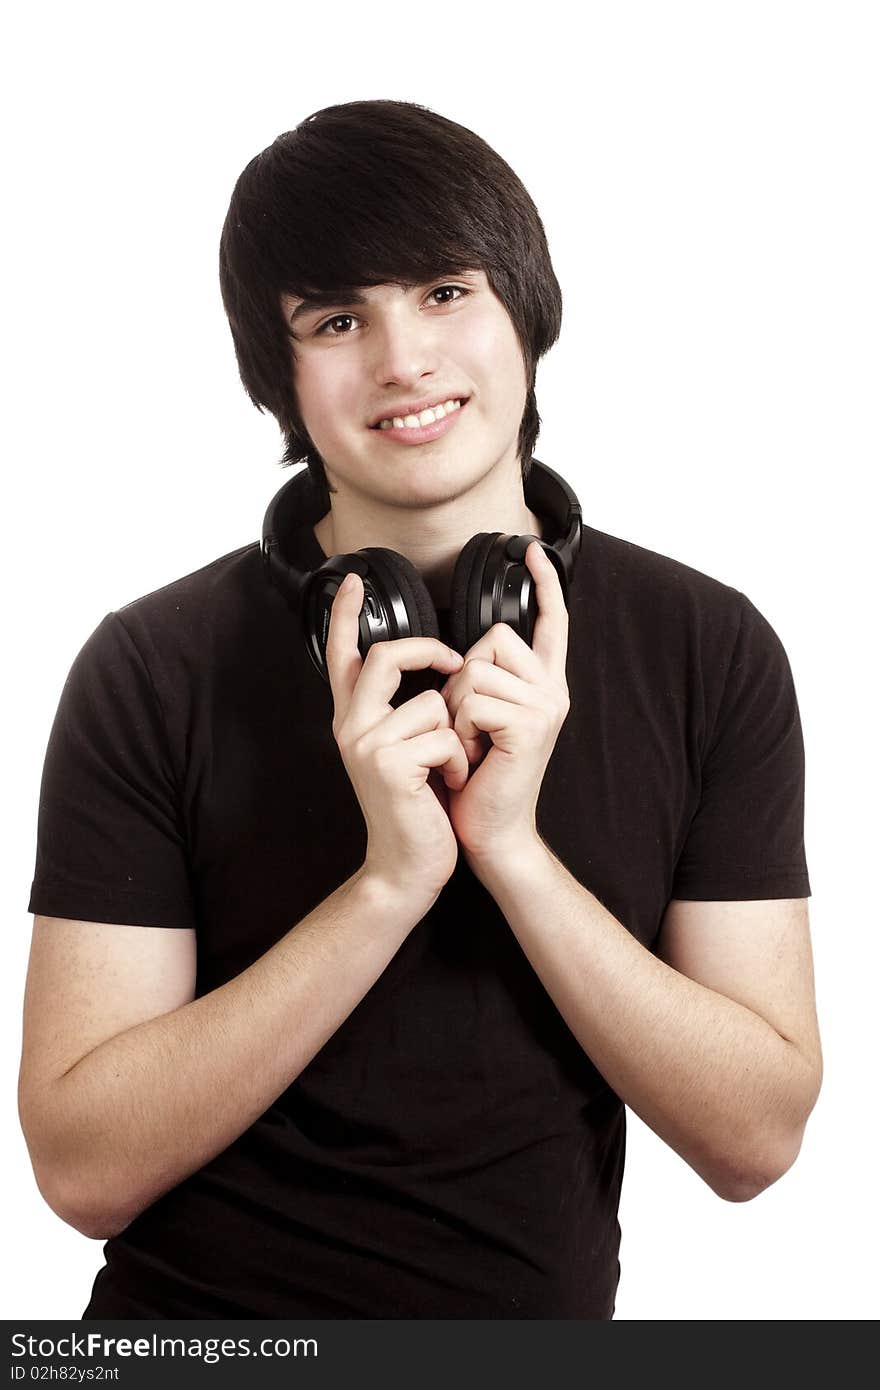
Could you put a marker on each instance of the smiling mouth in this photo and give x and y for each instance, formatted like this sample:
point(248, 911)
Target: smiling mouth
point(424, 419)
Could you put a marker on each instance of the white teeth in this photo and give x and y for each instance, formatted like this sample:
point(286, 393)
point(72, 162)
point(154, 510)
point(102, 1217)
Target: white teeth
point(427, 417)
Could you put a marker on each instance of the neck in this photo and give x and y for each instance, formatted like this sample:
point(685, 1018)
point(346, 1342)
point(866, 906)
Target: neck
point(430, 535)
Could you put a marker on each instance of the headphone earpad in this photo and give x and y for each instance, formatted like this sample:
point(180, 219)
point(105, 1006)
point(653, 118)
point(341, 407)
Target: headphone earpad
point(467, 578)
point(421, 614)
point(417, 601)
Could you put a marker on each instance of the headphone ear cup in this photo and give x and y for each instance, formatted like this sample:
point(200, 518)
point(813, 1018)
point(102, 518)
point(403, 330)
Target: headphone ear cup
point(466, 591)
point(421, 615)
point(420, 611)
point(396, 601)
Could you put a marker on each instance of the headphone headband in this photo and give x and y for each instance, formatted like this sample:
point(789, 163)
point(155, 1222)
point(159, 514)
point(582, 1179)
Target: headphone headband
point(546, 493)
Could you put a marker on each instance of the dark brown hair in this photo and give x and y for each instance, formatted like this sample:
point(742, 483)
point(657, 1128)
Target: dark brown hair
point(369, 193)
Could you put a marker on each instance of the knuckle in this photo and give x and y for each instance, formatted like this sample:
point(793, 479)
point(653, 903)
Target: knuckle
point(437, 705)
point(359, 748)
point(382, 761)
point(376, 653)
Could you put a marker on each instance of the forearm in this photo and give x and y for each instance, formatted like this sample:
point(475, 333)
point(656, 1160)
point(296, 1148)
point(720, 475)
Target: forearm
point(713, 1079)
point(152, 1105)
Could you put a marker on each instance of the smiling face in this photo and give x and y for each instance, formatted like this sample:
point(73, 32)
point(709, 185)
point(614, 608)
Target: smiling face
point(361, 359)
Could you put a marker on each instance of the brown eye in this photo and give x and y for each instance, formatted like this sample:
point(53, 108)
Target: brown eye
point(337, 318)
point(461, 290)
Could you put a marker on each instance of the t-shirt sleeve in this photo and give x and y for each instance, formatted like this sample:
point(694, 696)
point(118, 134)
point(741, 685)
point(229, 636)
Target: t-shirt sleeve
point(111, 841)
point(746, 838)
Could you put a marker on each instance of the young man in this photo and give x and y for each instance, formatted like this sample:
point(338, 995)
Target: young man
point(333, 1006)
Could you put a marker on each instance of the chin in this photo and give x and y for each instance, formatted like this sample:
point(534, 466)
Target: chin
point(454, 473)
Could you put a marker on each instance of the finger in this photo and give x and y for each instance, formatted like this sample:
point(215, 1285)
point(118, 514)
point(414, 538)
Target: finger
point(550, 637)
point(382, 669)
point(416, 716)
point(483, 678)
point(503, 647)
point(440, 748)
point(484, 714)
point(343, 658)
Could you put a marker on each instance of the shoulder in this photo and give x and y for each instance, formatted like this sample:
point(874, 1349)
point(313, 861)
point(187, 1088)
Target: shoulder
point(628, 564)
point(226, 576)
point(199, 610)
point(666, 626)
point(175, 636)
point(639, 591)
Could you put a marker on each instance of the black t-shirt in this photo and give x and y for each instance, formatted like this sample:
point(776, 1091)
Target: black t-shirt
point(451, 1151)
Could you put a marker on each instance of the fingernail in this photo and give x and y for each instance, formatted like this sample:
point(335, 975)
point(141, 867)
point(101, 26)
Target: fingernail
point(347, 584)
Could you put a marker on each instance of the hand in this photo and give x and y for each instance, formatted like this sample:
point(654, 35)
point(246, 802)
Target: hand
point(388, 754)
point(513, 699)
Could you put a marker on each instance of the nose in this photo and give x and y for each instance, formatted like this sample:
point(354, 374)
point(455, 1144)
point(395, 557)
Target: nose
point(404, 346)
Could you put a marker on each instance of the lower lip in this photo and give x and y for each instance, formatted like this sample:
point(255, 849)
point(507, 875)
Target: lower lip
point(425, 433)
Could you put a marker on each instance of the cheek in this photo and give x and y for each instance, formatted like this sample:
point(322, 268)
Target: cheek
point(321, 397)
point(494, 353)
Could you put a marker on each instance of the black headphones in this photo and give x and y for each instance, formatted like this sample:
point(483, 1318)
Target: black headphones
point(491, 582)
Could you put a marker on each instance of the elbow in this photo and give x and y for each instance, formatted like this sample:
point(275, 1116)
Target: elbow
point(745, 1183)
point(74, 1210)
point(60, 1195)
point(773, 1150)
point(69, 1203)
point(739, 1189)
point(767, 1163)
point(733, 1182)
point(93, 1229)
point(76, 1205)
point(92, 1220)
point(62, 1183)
point(94, 1224)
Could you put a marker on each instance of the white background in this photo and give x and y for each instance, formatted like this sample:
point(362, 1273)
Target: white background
point(707, 176)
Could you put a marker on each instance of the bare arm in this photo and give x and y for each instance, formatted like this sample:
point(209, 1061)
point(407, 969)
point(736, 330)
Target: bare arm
point(112, 1128)
point(128, 1084)
point(723, 1062)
